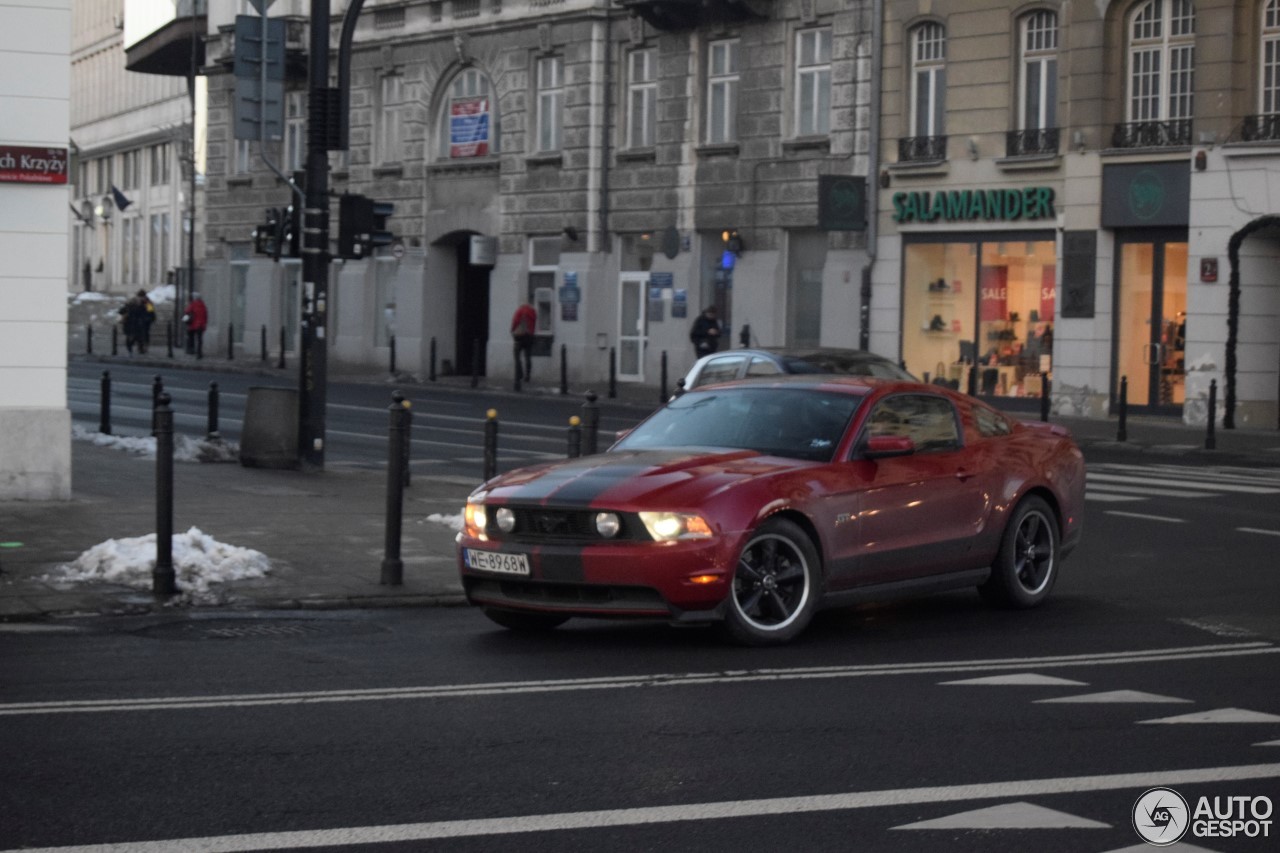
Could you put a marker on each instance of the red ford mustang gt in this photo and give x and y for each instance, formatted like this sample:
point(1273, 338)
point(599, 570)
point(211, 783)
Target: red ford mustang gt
point(753, 504)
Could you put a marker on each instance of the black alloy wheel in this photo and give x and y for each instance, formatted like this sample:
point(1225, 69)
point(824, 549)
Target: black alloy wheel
point(775, 585)
point(1027, 566)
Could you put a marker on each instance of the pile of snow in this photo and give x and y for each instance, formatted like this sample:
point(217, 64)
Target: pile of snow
point(185, 449)
point(163, 293)
point(199, 562)
point(90, 296)
point(454, 521)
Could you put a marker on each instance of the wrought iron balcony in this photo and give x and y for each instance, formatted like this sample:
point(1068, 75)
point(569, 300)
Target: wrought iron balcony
point(1261, 128)
point(688, 14)
point(1021, 143)
point(922, 148)
point(1152, 134)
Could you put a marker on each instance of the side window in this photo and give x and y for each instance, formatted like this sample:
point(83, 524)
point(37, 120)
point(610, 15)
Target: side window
point(927, 420)
point(719, 370)
point(762, 367)
point(990, 422)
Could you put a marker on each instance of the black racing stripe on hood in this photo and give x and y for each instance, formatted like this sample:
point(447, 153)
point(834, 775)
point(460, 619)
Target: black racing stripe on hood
point(581, 482)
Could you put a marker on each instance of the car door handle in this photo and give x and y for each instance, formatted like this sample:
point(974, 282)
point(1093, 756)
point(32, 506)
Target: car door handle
point(962, 474)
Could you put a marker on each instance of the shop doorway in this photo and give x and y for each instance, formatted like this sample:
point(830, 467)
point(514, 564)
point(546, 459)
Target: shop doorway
point(633, 325)
point(472, 317)
point(1151, 320)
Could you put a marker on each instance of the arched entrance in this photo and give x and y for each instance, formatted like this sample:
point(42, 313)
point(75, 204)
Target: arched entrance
point(1233, 314)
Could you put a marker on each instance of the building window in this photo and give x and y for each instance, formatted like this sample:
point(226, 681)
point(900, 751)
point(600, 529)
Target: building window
point(1037, 131)
point(1270, 53)
point(928, 80)
point(240, 158)
point(1161, 56)
point(105, 179)
point(642, 96)
point(722, 91)
point(468, 125)
point(160, 164)
point(295, 132)
point(131, 249)
point(159, 248)
point(240, 291)
point(391, 119)
point(130, 179)
point(813, 82)
point(550, 95)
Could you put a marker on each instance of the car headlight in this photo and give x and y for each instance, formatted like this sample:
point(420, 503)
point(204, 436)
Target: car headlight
point(475, 519)
point(668, 526)
point(506, 520)
point(608, 524)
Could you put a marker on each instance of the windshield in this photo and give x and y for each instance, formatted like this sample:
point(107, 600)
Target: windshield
point(795, 423)
point(860, 364)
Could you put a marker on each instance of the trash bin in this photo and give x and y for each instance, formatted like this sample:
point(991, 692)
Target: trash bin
point(269, 438)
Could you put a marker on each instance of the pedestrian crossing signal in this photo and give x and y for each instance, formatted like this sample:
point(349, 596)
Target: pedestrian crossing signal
point(362, 226)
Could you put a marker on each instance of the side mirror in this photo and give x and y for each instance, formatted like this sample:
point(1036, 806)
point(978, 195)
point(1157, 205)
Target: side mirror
point(885, 446)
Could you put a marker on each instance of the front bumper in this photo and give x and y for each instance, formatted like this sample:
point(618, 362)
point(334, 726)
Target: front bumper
point(618, 579)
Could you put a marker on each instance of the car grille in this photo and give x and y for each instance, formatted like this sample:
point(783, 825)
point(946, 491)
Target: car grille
point(542, 525)
point(602, 597)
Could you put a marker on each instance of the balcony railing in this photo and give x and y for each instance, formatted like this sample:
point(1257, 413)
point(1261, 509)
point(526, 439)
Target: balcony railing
point(1022, 143)
point(1263, 128)
point(922, 148)
point(1152, 134)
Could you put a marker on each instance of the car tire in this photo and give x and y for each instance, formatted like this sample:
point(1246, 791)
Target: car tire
point(525, 620)
point(1026, 567)
point(776, 585)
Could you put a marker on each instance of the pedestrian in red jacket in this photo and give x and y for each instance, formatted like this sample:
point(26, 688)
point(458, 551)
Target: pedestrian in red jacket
point(197, 320)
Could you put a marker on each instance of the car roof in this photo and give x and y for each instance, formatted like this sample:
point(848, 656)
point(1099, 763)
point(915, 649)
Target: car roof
point(840, 382)
point(805, 352)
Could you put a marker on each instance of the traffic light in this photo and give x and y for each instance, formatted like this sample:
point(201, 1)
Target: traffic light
point(362, 226)
point(291, 221)
point(266, 237)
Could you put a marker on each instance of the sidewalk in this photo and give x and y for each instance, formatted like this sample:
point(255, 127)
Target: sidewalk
point(325, 533)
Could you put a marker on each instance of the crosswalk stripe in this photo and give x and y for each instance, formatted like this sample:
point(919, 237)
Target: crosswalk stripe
point(1145, 490)
point(1261, 477)
point(1101, 497)
point(1095, 477)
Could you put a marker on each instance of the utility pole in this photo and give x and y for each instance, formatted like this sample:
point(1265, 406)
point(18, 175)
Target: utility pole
point(313, 363)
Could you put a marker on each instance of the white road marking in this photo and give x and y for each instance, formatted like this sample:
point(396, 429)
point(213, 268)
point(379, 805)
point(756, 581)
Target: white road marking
point(1218, 715)
point(426, 692)
point(1009, 816)
point(1163, 518)
point(1114, 696)
point(1268, 743)
point(1091, 495)
point(1117, 488)
point(1095, 478)
point(1260, 530)
point(1024, 679)
point(723, 810)
point(1218, 629)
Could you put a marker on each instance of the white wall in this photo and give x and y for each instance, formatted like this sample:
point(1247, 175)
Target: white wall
point(35, 425)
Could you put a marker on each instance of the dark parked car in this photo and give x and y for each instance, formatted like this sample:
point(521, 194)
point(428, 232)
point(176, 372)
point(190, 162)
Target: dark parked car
point(755, 503)
point(775, 361)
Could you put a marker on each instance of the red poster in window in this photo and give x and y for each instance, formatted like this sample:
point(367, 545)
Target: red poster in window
point(469, 128)
point(994, 297)
point(1048, 293)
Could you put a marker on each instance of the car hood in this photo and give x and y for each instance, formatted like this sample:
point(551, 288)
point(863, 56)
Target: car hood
point(640, 479)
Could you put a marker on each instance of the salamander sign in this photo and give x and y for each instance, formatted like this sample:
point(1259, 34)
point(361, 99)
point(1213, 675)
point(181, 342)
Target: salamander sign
point(970, 205)
point(20, 165)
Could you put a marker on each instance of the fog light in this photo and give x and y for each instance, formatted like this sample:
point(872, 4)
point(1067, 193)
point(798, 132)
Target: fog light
point(506, 520)
point(608, 524)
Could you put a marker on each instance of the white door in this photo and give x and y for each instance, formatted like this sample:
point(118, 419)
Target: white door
point(633, 325)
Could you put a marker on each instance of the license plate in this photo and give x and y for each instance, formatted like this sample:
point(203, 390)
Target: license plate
point(491, 561)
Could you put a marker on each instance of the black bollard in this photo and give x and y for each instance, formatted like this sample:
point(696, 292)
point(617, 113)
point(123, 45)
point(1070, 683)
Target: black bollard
point(168, 338)
point(408, 441)
point(157, 388)
point(662, 385)
point(1211, 440)
point(1122, 431)
point(392, 565)
point(88, 339)
point(1044, 397)
point(591, 420)
point(679, 392)
point(613, 372)
point(264, 343)
point(231, 342)
point(163, 579)
point(475, 363)
point(115, 340)
point(564, 370)
point(490, 444)
point(282, 337)
point(391, 351)
point(575, 437)
point(744, 336)
point(431, 374)
point(104, 415)
point(213, 411)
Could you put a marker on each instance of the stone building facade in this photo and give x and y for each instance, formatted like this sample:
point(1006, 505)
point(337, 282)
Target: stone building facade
point(620, 165)
point(1062, 189)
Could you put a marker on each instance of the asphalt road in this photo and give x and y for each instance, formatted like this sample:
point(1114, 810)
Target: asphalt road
point(448, 425)
point(1154, 664)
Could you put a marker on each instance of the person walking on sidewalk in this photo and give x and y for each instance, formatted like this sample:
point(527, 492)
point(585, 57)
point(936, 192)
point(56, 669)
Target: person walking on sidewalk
point(523, 324)
point(705, 333)
point(136, 315)
point(197, 320)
